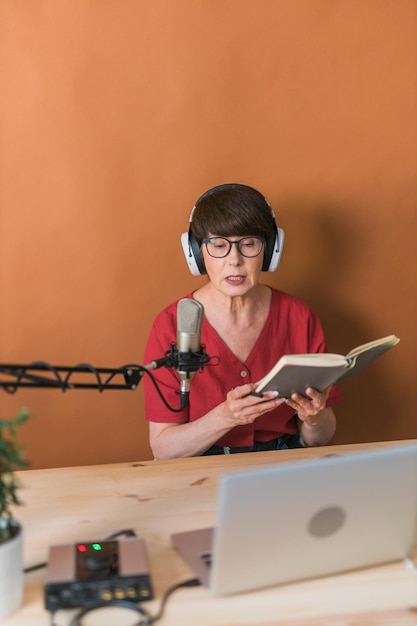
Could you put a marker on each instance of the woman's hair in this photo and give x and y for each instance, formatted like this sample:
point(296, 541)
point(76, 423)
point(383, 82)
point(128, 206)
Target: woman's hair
point(232, 210)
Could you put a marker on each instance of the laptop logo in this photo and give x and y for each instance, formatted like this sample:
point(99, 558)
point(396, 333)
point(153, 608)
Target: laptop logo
point(327, 522)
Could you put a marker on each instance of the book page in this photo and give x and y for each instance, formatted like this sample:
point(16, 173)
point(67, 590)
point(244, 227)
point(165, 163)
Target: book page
point(385, 342)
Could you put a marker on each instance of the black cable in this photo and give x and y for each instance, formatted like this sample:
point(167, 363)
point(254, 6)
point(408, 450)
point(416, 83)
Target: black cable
point(125, 604)
point(126, 533)
point(33, 568)
point(155, 384)
point(193, 582)
point(147, 620)
point(83, 367)
point(50, 368)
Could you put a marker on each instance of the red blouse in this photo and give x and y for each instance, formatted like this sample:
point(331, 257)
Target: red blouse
point(291, 327)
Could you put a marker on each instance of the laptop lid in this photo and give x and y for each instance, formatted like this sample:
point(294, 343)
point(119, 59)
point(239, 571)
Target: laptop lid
point(302, 519)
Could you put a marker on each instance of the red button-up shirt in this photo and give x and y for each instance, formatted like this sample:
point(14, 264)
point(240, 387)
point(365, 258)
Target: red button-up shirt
point(291, 327)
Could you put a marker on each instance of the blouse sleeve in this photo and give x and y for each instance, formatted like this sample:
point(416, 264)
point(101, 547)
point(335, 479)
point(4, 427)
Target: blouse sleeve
point(162, 335)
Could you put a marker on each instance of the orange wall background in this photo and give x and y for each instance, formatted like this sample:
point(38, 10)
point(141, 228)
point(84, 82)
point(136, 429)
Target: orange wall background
point(116, 115)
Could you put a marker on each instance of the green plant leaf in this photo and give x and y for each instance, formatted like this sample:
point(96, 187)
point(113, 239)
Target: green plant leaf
point(11, 460)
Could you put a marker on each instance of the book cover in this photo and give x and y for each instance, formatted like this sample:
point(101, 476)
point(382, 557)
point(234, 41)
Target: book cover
point(294, 373)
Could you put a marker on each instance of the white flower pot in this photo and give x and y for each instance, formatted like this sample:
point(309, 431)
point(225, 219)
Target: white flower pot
point(11, 574)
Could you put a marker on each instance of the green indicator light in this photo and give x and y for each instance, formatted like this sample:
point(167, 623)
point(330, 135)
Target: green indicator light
point(96, 546)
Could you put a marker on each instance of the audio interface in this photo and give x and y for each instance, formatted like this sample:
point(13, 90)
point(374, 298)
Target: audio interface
point(88, 573)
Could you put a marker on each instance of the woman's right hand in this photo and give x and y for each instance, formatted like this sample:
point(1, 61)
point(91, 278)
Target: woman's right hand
point(242, 407)
point(182, 439)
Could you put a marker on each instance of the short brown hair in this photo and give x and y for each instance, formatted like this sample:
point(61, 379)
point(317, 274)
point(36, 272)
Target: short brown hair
point(232, 210)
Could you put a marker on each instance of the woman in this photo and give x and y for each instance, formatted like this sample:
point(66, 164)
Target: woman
point(232, 238)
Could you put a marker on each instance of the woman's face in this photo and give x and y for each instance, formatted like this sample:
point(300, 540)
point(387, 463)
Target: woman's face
point(234, 275)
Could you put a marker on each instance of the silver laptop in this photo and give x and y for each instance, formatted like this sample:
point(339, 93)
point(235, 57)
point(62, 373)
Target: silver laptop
point(301, 519)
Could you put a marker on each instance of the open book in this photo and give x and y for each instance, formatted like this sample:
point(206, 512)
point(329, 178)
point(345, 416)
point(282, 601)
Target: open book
point(295, 372)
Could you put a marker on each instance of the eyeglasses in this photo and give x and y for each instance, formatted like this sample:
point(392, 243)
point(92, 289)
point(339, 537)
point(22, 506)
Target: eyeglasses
point(219, 247)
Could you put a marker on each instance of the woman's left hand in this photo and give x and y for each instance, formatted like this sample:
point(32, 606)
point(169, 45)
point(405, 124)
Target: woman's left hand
point(317, 423)
point(309, 408)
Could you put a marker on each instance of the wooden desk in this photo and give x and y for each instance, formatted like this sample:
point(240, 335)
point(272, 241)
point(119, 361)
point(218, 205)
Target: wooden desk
point(156, 498)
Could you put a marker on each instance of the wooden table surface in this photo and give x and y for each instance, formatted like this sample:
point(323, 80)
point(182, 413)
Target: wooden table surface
point(157, 498)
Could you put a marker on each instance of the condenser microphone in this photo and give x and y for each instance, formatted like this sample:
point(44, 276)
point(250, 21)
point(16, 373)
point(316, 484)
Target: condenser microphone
point(189, 320)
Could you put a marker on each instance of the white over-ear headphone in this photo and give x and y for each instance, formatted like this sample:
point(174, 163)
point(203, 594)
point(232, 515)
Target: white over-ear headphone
point(192, 251)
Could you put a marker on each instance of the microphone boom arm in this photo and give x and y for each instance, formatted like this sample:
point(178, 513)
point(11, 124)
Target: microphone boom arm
point(42, 375)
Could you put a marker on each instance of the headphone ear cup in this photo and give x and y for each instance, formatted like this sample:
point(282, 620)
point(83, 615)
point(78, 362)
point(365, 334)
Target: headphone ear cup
point(192, 254)
point(274, 248)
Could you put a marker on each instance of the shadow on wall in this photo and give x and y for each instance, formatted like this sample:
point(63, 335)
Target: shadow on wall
point(322, 264)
